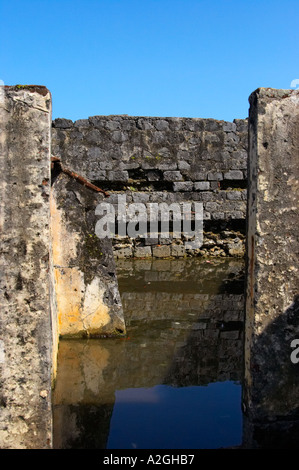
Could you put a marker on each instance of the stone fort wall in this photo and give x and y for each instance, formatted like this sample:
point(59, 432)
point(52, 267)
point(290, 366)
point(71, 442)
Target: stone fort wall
point(170, 160)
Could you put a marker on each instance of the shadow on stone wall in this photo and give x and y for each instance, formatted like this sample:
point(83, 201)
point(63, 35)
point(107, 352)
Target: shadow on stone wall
point(271, 419)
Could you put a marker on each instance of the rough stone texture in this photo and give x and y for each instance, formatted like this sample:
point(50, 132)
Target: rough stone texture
point(87, 296)
point(126, 146)
point(142, 252)
point(271, 397)
point(161, 251)
point(221, 238)
point(183, 186)
point(161, 160)
point(25, 345)
point(224, 243)
point(202, 186)
point(178, 251)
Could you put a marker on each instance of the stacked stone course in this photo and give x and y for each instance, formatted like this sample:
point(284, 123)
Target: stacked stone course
point(171, 160)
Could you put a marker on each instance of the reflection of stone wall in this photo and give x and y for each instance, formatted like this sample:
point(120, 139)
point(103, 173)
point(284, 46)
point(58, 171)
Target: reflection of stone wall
point(169, 160)
point(207, 308)
point(202, 305)
point(182, 331)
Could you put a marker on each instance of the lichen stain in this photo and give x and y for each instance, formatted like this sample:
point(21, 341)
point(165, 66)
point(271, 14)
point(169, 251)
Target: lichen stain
point(80, 373)
point(95, 312)
point(68, 285)
point(80, 309)
point(64, 243)
point(42, 90)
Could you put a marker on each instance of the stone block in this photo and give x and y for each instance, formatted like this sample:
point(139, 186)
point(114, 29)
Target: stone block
point(183, 165)
point(149, 164)
point(124, 252)
point(161, 251)
point(145, 124)
point(128, 165)
point(106, 165)
point(128, 124)
point(241, 125)
point(172, 176)
point(214, 185)
point(202, 185)
point(140, 197)
point(178, 251)
point(211, 206)
point(231, 139)
point(234, 195)
point(161, 125)
point(82, 123)
point(212, 139)
point(167, 166)
point(94, 174)
point(211, 125)
point(113, 125)
point(118, 175)
point(206, 196)
point(151, 241)
point(142, 252)
point(233, 175)
point(61, 123)
point(94, 155)
point(212, 176)
point(229, 127)
point(217, 215)
point(165, 240)
point(183, 186)
point(238, 214)
point(238, 160)
point(119, 136)
point(199, 175)
point(159, 138)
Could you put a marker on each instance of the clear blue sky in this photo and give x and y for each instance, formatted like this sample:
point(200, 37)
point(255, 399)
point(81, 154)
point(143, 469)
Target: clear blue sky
point(191, 58)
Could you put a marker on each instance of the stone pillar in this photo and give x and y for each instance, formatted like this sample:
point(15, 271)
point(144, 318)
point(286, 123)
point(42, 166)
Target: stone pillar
point(271, 388)
point(86, 290)
point(25, 336)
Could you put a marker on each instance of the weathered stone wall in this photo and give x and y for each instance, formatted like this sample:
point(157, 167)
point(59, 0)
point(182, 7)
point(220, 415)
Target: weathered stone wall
point(271, 396)
point(26, 342)
point(149, 160)
point(169, 160)
point(50, 270)
point(86, 292)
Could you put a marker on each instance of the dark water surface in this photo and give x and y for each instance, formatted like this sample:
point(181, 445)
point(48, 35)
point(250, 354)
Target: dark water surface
point(174, 382)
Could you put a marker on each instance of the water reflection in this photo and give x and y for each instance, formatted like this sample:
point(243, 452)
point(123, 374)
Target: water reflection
point(174, 381)
point(168, 417)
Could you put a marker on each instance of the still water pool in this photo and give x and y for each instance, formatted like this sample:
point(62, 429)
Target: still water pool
point(168, 417)
point(174, 382)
